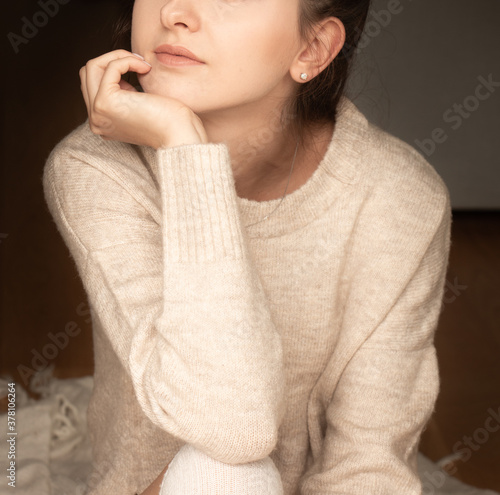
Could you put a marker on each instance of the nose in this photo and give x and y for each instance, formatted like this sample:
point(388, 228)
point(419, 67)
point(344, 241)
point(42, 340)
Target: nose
point(180, 14)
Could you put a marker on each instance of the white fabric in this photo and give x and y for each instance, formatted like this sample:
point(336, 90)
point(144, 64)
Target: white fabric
point(53, 451)
point(54, 454)
point(32, 447)
point(191, 472)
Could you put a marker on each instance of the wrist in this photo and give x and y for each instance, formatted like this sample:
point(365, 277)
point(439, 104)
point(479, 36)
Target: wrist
point(184, 132)
point(178, 140)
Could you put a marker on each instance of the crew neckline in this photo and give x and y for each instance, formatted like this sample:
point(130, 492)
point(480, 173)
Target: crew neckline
point(338, 169)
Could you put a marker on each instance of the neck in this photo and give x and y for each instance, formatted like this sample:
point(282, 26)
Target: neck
point(262, 152)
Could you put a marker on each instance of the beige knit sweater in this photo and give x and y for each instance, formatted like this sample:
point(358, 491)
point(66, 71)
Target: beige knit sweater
point(307, 337)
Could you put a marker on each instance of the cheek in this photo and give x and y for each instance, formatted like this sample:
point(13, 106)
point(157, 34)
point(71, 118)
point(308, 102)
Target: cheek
point(269, 46)
point(136, 37)
point(141, 19)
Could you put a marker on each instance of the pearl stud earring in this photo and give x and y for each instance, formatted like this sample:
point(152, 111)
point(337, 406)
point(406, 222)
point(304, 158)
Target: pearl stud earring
point(303, 76)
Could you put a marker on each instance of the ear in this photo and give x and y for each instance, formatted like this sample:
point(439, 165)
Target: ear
point(323, 44)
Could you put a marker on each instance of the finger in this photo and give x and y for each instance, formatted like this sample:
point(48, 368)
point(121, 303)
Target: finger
point(93, 71)
point(88, 103)
point(83, 87)
point(98, 66)
point(117, 68)
point(113, 75)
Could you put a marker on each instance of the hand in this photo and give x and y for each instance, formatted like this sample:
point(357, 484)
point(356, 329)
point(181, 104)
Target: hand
point(118, 111)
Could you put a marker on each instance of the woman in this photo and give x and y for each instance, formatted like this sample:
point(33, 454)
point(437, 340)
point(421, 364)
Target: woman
point(265, 267)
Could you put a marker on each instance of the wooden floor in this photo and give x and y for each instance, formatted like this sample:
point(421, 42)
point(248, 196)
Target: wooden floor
point(467, 416)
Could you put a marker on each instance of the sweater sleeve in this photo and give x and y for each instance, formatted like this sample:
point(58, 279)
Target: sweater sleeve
point(387, 391)
point(179, 299)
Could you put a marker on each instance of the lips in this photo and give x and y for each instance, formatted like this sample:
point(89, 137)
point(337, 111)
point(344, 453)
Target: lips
point(176, 53)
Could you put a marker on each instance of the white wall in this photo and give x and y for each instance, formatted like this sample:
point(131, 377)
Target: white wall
point(420, 74)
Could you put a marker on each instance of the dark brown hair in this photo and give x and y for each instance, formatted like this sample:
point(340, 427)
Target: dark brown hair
point(316, 101)
point(122, 28)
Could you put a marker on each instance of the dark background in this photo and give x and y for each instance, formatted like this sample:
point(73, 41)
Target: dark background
point(42, 298)
point(41, 290)
point(418, 71)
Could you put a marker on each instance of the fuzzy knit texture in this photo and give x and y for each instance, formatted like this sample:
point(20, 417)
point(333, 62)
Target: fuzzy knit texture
point(307, 337)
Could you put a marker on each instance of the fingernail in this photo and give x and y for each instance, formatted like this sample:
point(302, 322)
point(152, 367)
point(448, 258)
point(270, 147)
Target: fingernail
point(137, 55)
point(147, 63)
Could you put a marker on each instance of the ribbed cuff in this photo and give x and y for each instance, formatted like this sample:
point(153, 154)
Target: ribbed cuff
point(201, 219)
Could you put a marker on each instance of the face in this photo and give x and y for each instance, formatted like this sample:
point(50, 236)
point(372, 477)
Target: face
point(245, 50)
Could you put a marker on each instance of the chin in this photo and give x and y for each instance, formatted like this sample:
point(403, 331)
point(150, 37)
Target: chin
point(153, 86)
point(162, 88)
point(145, 82)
